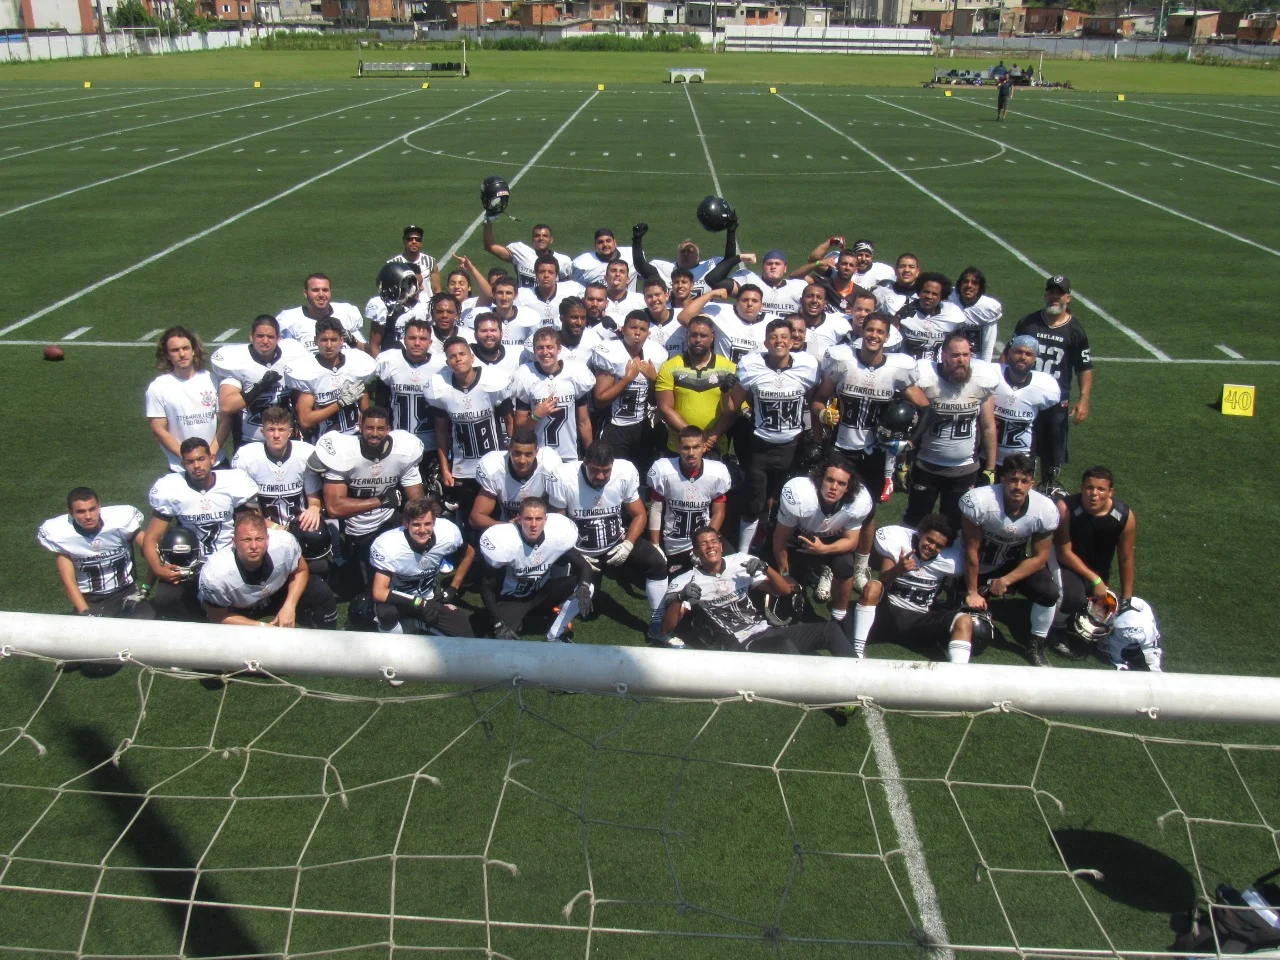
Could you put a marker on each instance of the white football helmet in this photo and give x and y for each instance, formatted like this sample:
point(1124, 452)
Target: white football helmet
point(1096, 621)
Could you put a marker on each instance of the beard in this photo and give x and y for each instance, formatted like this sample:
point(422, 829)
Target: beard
point(958, 374)
point(1055, 310)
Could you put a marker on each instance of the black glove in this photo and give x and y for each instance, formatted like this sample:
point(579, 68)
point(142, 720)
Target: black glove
point(1125, 604)
point(609, 323)
point(583, 596)
point(691, 593)
point(428, 611)
point(503, 632)
point(733, 224)
point(728, 381)
point(448, 595)
point(638, 232)
point(393, 498)
point(350, 340)
point(754, 566)
point(267, 383)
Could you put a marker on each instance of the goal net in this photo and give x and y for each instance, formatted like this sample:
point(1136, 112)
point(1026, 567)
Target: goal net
point(139, 41)
point(164, 812)
point(412, 58)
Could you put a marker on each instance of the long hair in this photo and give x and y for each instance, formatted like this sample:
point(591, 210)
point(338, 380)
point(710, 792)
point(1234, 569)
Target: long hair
point(162, 348)
point(840, 463)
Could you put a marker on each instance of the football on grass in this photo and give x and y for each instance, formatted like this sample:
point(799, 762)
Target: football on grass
point(53, 353)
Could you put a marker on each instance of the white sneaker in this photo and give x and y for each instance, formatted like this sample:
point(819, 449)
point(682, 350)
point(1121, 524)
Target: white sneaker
point(822, 592)
point(860, 579)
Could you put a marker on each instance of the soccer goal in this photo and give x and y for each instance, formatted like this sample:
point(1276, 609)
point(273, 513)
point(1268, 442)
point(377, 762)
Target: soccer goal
point(412, 58)
point(235, 792)
point(140, 41)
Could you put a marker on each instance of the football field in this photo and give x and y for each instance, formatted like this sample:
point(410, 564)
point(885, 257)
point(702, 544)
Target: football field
point(162, 816)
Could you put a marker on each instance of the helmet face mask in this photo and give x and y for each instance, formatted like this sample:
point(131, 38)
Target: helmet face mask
point(1099, 616)
point(715, 214)
point(494, 196)
point(179, 547)
point(784, 611)
point(894, 424)
point(397, 283)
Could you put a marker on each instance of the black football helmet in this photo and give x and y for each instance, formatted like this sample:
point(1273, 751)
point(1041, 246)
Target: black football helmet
point(984, 630)
point(494, 195)
point(397, 283)
point(784, 611)
point(315, 544)
point(894, 424)
point(715, 213)
point(181, 548)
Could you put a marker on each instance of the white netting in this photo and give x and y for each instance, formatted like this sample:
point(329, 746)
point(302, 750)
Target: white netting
point(159, 813)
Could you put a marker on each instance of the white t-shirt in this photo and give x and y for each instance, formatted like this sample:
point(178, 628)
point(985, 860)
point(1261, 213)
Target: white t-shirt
point(800, 507)
point(1005, 538)
point(223, 585)
point(339, 459)
point(206, 513)
point(473, 416)
point(237, 364)
point(686, 501)
point(572, 386)
point(951, 440)
point(408, 382)
point(631, 406)
point(296, 325)
point(190, 407)
point(283, 485)
point(597, 512)
point(414, 569)
point(495, 478)
point(864, 391)
point(778, 396)
point(549, 310)
point(725, 599)
point(325, 384)
point(981, 323)
point(103, 560)
point(919, 588)
point(527, 565)
point(1017, 408)
point(524, 257)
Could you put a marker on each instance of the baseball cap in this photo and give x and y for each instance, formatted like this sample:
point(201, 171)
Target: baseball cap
point(1059, 281)
point(413, 229)
point(863, 246)
point(603, 232)
point(774, 254)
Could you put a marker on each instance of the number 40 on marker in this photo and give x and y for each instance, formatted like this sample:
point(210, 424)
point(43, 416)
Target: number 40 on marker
point(1237, 400)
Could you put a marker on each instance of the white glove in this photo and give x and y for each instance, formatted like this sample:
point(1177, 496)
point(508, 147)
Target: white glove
point(618, 555)
point(591, 562)
point(350, 392)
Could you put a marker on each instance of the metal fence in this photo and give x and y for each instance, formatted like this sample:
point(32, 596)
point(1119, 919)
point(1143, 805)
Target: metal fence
point(1092, 48)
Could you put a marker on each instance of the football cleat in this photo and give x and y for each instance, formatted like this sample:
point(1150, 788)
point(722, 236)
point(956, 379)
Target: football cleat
point(887, 490)
point(822, 592)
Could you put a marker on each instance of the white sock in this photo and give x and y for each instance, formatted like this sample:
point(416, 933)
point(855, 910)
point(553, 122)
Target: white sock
point(838, 615)
point(394, 628)
point(747, 533)
point(1041, 619)
point(568, 610)
point(864, 618)
point(656, 591)
point(958, 651)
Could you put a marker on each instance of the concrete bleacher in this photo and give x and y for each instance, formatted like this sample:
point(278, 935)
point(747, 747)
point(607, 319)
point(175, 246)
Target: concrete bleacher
point(686, 74)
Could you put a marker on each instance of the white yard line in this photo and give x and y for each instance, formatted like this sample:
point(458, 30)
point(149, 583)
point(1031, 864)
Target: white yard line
point(1111, 136)
point(129, 106)
point(194, 153)
point(702, 138)
point(161, 123)
point(77, 332)
point(1162, 123)
point(1201, 113)
point(1094, 180)
point(150, 335)
point(1233, 354)
point(225, 335)
point(471, 228)
point(994, 238)
point(50, 103)
point(172, 248)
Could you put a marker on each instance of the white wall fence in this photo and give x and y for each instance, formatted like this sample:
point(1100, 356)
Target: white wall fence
point(882, 40)
point(1093, 48)
point(63, 46)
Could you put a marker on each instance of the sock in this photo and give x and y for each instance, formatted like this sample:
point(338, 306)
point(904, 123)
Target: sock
point(838, 615)
point(747, 533)
point(863, 619)
point(1041, 619)
point(958, 651)
point(656, 591)
point(568, 610)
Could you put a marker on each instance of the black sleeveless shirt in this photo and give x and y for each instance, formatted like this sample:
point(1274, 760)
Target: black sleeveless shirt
point(1094, 539)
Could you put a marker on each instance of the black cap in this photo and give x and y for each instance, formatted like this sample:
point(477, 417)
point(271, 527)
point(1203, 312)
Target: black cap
point(412, 229)
point(1058, 281)
point(603, 232)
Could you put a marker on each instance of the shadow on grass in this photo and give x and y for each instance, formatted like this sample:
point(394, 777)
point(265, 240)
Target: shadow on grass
point(1133, 874)
point(163, 851)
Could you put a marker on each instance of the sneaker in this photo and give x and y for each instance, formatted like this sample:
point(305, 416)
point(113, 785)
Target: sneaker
point(566, 636)
point(1060, 644)
point(1036, 654)
point(670, 641)
point(861, 579)
point(887, 490)
point(822, 591)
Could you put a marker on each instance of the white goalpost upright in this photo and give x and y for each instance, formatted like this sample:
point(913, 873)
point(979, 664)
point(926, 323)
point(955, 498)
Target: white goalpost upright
point(641, 671)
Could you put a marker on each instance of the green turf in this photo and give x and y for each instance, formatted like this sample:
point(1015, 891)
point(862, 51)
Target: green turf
point(673, 815)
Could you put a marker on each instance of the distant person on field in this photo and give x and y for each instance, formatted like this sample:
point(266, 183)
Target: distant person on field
point(1004, 93)
point(421, 261)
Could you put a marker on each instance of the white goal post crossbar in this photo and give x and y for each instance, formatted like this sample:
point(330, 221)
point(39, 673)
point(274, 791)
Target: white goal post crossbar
point(645, 671)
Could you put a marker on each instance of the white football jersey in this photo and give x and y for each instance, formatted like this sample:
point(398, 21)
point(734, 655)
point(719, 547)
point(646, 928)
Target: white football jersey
point(618, 309)
point(524, 258)
point(473, 417)
point(296, 325)
point(686, 501)
point(952, 437)
point(874, 275)
point(631, 406)
point(103, 560)
point(189, 406)
point(589, 268)
point(1017, 408)
point(891, 345)
point(777, 397)
point(597, 512)
point(919, 588)
point(283, 485)
point(666, 267)
point(222, 583)
point(1005, 538)
point(863, 392)
point(206, 513)
point(725, 599)
point(922, 333)
point(780, 300)
point(572, 386)
point(1135, 627)
point(413, 569)
point(407, 382)
point(339, 459)
point(981, 323)
point(549, 310)
point(800, 507)
point(375, 311)
point(670, 336)
point(495, 478)
point(818, 341)
point(734, 338)
point(581, 351)
point(889, 299)
point(508, 359)
point(324, 384)
point(527, 565)
point(516, 330)
point(237, 364)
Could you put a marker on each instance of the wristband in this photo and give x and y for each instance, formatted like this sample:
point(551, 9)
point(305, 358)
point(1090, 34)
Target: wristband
point(1095, 581)
point(534, 417)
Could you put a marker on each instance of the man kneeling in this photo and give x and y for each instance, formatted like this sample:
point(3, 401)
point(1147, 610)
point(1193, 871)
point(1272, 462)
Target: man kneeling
point(262, 575)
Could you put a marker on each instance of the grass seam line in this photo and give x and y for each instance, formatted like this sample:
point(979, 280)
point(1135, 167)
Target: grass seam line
point(129, 106)
point(702, 138)
point(1094, 180)
point(1132, 334)
point(471, 228)
point(174, 247)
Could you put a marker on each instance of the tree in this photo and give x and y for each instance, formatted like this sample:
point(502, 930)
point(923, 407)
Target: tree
point(131, 13)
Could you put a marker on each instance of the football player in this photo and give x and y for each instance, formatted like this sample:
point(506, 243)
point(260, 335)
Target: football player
point(524, 256)
point(622, 299)
point(590, 266)
point(902, 605)
point(776, 383)
point(367, 478)
point(518, 321)
point(895, 295)
point(861, 306)
point(403, 373)
point(518, 558)
point(577, 340)
point(701, 274)
point(93, 546)
point(664, 329)
point(1134, 631)
point(330, 393)
point(596, 298)
point(551, 397)
point(826, 519)
point(251, 375)
point(602, 496)
point(288, 491)
point(956, 398)
point(395, 304)
point(691, 386)
point(982, 313)
point(1008, 539)
point(262, 574)
point(869, 272)
point(299, 323)
point(506, 479)
point(1022, 397)
point(739, 329)
point(780, 294)
point(490, 348)
point(718, 588)
point(473, 399)
point(685, 492)
point(406, 595)
point(203, 501)
point(823, 328)
point(625, 370)
point(423, 264)
point(183, 401)
point(444, 318)
point(927, 319)
point(548, 289)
